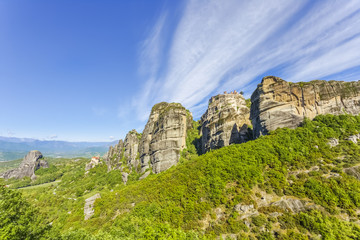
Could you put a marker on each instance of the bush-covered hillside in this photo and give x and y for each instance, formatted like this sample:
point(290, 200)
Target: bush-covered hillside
point(291, 184)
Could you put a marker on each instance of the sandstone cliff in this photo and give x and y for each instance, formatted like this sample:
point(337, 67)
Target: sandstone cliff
point(164, 136)
point(125, 154)
point(226, 121)
point(32, 161)
point(113, 156)
point(131, 149)
point(276, 103)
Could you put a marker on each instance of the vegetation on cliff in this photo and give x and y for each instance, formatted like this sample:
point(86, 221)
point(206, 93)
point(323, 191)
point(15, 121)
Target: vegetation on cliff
point(200, 198)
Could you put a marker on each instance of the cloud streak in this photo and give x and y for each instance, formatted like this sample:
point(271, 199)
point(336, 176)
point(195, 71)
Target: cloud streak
point(226, 45)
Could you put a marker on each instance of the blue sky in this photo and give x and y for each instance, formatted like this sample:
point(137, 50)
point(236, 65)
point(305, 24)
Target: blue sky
point(91, 70)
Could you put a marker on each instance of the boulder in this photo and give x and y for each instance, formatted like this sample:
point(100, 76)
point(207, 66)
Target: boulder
point(89, 205)
point(124, 176)
point(354, 138)
point(333, 142)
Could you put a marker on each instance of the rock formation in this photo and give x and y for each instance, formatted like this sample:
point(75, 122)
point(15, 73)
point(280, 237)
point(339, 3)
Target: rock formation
point(125, 154)
point(289, 204)
point(113, 156)
point(276, 103)
point(333, 142)
point(354, 138)
point(158, 147)
point(131, 148)
point(94, 162)
point(89, 206)
point(164, 136)
point(32, 161)
point(226, 121)
point(353, 171)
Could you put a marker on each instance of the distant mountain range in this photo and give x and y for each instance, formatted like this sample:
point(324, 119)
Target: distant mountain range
point(12, 148)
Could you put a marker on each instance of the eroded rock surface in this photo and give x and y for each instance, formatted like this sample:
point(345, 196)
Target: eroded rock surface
point(277, 103)
point(353, 171)
point(131, 148)
point(93, 162)
point(89, 206)
point(354, 138)
point(32, 161)
point(125, 154)
point(289, 204)
point(246, 210)
point(164, 136)
point(333, 142)
point(113, 156)
point(226, 121)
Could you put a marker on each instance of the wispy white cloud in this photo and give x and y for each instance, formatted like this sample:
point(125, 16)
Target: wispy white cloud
point(226, 45)
point(150, 50)
point(150, 59)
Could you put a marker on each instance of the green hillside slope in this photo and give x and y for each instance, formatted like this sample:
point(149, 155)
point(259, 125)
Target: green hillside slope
point(290, 184)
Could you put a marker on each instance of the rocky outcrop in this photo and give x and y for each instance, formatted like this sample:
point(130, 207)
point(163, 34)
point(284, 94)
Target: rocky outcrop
point(159, 145)
point(124, 177)
point(354, 138)
point(276, 103)
point(89, 206)
point(164, 136)
point(353, 171)
point(125, 154)
point(94, 162)
point(226, 121)
point(289, 204)
point(113, 156)
point(246, 210)
point(131, 148)
point(32, 162)
point(333, 142)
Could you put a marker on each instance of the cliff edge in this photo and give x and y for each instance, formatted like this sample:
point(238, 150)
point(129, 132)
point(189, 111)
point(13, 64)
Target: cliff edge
point(277, 103)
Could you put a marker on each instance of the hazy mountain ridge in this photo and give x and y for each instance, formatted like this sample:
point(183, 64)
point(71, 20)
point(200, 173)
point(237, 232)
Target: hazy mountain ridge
point(15, 148)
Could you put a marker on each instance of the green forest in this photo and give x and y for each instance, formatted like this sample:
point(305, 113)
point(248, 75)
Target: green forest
point(290, 184)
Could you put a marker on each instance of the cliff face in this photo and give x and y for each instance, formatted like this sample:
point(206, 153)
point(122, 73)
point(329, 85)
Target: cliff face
point(225, 122)
point(32, 161)
point(131, 148)
point(164, 136)
point(125, 154)
point(113, 156)
point(276, 103)
point(158, 147)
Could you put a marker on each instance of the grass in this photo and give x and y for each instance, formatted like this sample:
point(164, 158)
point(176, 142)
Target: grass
point(41, 185)
point(7, 165)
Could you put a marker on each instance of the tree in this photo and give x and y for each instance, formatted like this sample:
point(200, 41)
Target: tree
point(18, 219)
